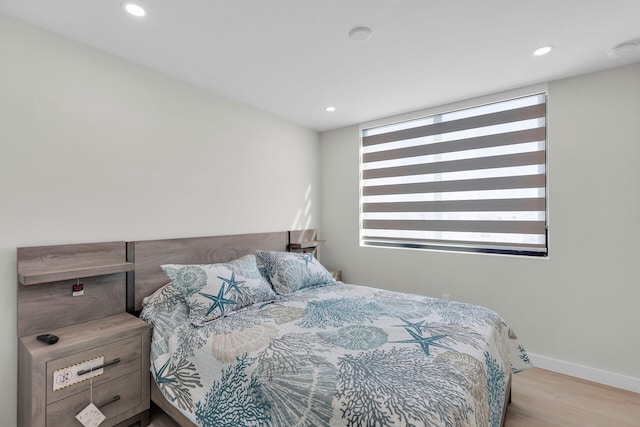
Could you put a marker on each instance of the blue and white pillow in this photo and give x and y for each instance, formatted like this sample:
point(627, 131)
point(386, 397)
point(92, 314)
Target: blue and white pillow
point(291, 271)
point(213, 290)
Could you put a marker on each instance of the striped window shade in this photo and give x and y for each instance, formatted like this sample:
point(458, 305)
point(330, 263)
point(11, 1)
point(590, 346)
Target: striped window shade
point(467, 180)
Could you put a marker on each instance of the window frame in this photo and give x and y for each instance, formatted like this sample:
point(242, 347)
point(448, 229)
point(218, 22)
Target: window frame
point(448, 246)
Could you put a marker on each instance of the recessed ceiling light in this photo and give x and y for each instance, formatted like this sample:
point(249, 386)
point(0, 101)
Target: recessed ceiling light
point(330, 109)
point(360, 34)
point(543, 50)
point(134, 9)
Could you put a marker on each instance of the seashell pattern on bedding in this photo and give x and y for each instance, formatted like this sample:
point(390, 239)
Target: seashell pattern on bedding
point(226, 347)
point(336, 355)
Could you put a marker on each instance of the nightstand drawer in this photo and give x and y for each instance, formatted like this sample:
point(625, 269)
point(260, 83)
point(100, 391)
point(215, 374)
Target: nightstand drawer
point(127, 350)
point(121, 336)
point(123, 394)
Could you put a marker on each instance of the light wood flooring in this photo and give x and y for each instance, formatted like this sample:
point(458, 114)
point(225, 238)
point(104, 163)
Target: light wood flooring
point(547, 399)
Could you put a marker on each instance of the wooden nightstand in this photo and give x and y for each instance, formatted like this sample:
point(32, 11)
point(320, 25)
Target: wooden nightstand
point(121, 391)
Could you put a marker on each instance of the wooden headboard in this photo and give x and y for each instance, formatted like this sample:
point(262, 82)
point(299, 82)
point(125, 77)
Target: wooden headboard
point(149, 255)
point(46, 278)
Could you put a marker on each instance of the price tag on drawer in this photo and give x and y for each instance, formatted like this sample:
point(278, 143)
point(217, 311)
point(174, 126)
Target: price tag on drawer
point(78, 290)
point(68, 376)
point(90, 416)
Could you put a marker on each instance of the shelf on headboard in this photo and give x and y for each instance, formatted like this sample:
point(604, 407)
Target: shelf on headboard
point(53, 302)
point(48, 264)
point(46, 276)
point(306, 245)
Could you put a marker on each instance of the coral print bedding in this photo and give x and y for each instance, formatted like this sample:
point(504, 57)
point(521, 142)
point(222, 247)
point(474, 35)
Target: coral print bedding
point(333, 354)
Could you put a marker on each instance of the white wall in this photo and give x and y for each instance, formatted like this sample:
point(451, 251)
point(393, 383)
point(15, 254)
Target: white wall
point(94, 148)
point(581, 304)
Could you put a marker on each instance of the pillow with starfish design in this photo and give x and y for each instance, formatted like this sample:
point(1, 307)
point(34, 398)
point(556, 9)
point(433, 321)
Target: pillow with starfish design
point(213, 290)
point(292, 271)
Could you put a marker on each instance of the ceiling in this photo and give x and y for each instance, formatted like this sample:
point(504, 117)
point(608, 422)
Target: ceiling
point(294, 57)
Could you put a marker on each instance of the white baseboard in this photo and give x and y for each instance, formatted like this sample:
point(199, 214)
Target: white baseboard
point(586, 373)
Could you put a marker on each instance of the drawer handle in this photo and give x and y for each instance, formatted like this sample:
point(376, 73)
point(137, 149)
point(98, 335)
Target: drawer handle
point(113, 399)
point(102, 405)
point(95, 368)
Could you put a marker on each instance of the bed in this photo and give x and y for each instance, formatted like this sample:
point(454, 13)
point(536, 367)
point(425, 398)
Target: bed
point(313, 352)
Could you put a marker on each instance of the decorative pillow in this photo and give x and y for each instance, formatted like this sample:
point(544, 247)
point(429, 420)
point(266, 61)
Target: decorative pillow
point(212, 290)
point(291, 271)
point(165, 296)
point(165, 299)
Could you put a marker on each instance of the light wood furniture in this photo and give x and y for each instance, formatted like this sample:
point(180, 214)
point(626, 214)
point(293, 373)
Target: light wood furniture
point(92, 327)
point(337, 274)
point(307, 241)
point(123, 387)
point(149, 255)
point(304, 241)
point(45, 264)
point(47, 274)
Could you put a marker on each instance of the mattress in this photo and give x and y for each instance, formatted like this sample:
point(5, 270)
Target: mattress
point(335, 355)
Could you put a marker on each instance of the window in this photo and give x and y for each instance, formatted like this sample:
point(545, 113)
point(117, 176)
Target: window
point(467, 180)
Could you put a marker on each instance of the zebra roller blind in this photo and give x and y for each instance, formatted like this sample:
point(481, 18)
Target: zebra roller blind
point(466, 180)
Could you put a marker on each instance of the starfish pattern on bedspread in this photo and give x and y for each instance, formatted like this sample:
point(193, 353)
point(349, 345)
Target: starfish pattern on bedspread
point(232, 283)
point(424, 342)
point(218, 300)
point(417, 326)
